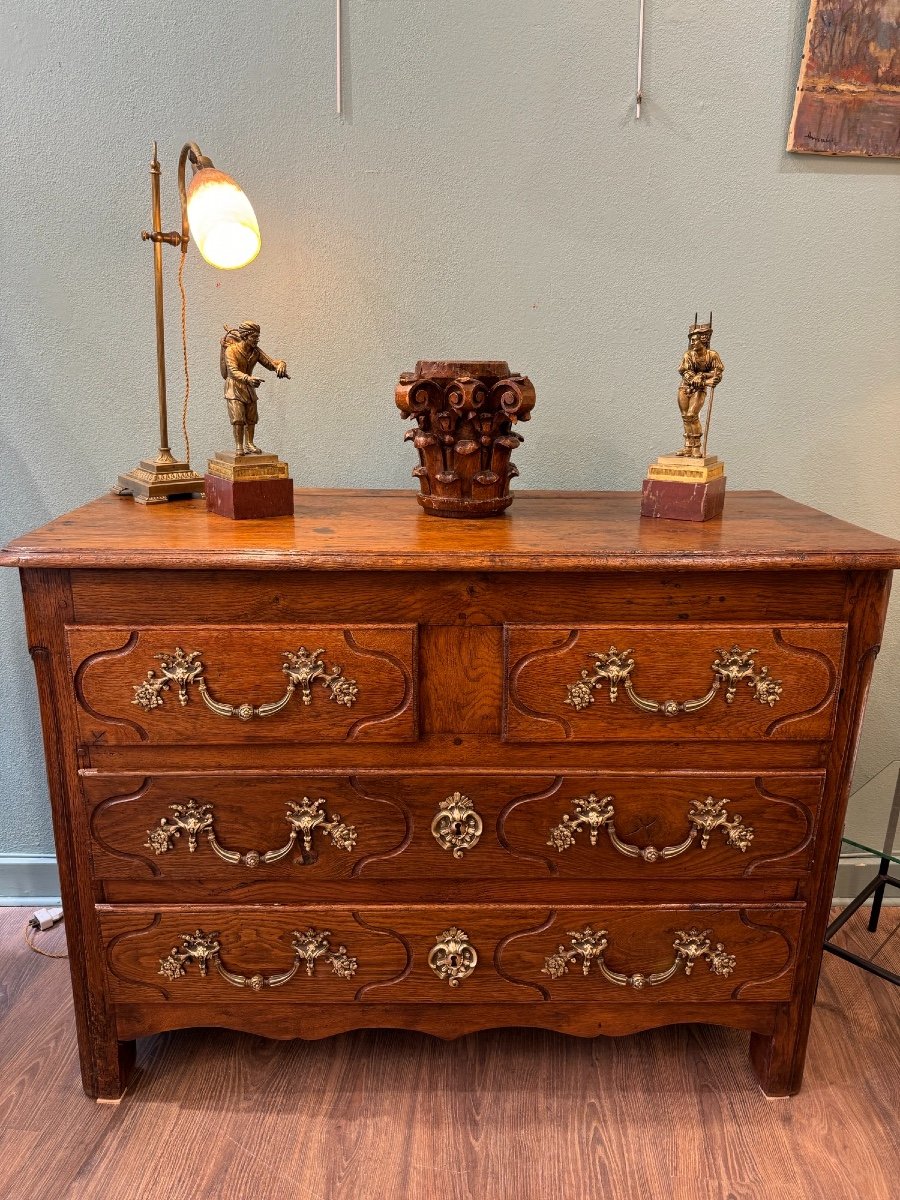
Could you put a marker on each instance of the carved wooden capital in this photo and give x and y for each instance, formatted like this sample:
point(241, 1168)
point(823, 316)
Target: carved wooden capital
point(464, 412)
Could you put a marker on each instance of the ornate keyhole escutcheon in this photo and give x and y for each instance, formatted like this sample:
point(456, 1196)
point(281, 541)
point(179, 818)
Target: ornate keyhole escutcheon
point(457, 827)
point(453, 958)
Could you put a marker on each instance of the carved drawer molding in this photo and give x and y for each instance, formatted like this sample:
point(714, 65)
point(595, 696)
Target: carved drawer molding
point(219, 685)
point(774, 682)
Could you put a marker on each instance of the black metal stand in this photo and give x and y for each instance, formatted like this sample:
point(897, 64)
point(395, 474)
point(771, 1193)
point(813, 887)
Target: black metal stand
point(875, 889)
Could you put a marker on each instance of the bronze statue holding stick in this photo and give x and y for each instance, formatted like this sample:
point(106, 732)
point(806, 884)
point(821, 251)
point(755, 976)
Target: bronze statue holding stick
point(701, 368)
point(689, 485)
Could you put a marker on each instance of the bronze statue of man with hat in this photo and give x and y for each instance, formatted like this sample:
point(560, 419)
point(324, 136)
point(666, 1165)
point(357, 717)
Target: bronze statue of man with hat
point(239, 354)
point(701, 368)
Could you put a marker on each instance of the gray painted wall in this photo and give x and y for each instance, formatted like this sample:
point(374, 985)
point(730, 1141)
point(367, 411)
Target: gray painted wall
point(488, 194)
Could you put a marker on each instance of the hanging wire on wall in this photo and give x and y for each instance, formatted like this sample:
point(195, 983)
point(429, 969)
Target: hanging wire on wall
point(640, 62)
point(338, 60)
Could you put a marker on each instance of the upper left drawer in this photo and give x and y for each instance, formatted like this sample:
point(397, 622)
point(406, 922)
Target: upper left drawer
point(209, 684)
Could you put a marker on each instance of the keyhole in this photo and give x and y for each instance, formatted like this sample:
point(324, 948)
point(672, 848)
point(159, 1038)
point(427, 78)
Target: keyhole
point(458, 827)
point(454, 961)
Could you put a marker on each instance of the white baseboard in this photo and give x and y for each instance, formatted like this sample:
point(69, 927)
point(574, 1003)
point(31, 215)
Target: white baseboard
point(28, 879)
point(33, 879)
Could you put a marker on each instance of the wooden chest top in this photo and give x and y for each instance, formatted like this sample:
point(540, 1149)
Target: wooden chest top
point(386, 530)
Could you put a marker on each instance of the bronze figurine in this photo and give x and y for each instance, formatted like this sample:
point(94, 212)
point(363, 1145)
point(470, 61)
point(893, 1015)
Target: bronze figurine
point(688, 485)
point(240, 353)
point(701, 368)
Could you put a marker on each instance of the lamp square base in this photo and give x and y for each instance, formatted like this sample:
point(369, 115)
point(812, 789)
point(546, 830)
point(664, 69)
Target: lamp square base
point(673, 500)
point(249, 499)
point(153, 482)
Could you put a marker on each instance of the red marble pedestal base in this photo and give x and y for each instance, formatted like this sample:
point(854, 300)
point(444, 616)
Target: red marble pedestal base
point(249, 499)
point(674, 500)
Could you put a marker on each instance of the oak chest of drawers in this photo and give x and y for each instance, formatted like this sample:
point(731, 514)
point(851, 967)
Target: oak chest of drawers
point(365, 767)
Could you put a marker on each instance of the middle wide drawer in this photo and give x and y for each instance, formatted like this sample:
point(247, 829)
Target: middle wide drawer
point(228, 829)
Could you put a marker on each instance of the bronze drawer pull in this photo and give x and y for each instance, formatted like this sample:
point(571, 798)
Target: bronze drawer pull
point(615, 667)
point(457, 826)
point(184, 669)
point(203, 949)
point(704, 817)
point(690, 946)
point(453, 958)
point(303, 817)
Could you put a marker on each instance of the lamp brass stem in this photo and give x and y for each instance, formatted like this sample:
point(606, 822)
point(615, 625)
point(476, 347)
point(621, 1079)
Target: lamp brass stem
point(164, 477)
point(165, 453)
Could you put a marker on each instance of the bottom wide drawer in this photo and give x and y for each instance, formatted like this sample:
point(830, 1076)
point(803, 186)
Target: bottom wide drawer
point(450, 953)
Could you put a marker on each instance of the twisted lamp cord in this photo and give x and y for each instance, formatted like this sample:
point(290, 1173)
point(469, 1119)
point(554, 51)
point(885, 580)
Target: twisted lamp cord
point(187, 374)
point(30, 934)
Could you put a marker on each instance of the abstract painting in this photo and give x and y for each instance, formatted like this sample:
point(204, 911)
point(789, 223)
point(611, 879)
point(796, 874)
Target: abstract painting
point(848, 96)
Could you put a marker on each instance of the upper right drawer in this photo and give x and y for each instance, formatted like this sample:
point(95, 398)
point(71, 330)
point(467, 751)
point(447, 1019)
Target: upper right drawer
point(600, 683)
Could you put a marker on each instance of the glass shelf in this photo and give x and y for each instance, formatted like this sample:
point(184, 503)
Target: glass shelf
point(872, 827)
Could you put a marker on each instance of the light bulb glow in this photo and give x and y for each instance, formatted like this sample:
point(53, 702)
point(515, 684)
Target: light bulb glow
point(221, 220)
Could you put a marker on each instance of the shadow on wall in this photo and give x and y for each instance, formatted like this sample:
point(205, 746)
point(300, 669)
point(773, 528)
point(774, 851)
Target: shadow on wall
point(30, 508)
point(25, 822)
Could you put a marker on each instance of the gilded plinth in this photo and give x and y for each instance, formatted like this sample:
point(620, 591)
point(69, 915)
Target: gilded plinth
point(238, 467)
point(686, 470)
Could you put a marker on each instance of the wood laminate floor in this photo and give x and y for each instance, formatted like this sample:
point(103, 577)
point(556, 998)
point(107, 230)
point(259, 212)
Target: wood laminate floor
point(504, 1115)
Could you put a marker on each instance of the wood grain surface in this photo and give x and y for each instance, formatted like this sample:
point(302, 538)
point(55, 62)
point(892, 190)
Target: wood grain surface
point(513, 1114)
point(151, 596)
point(386, 530)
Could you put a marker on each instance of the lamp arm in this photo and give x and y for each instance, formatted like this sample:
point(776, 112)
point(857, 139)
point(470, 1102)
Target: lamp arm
point(190, 152)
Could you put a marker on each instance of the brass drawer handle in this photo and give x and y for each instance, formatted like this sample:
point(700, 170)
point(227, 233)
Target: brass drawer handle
point(704, 816)
point(453, 958)
point(186, 668)
point(615, 667)
point(303, 817)
point(203, 949)
point(690, 946)
point(457, 826)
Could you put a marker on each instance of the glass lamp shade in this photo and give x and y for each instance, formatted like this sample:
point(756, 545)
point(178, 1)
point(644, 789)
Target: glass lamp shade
point(221, 220)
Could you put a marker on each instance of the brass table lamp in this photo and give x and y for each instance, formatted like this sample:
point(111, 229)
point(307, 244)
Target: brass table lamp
point(220, 218)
